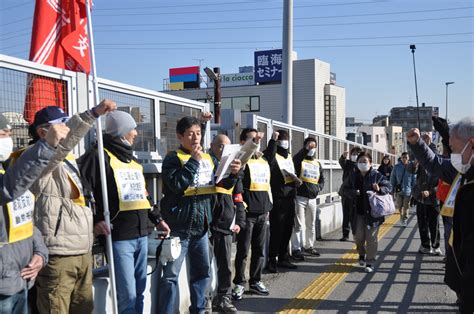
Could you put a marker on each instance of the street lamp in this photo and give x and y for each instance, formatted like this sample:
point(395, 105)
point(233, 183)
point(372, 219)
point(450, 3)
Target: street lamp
point(215, 75)
point(447, 84)
point(413, 47)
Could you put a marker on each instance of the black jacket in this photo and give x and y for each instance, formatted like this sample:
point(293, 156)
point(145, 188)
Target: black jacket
point(348, 166)
point(459, 274)
point(426, 181)
point(226, 210)
point(308, 190)
point(126, 225)
point(258, 202)
point(356, 181)
point(277, 182)
point(386, 170)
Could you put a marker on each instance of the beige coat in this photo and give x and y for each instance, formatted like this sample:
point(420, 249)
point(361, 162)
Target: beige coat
point(66, 226)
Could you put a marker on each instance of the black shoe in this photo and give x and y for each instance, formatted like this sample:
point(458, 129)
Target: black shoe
point(224, 305)
point(312, 251)
point(285, 263)
point(344, 239)
point(272, 266)
point(297, 256)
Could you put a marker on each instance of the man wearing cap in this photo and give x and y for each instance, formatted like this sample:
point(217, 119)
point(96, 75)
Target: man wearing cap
point(22, 250)
point(61, 214)
point(129, 208)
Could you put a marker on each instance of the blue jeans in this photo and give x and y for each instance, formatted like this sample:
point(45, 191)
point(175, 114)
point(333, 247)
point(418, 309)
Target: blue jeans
point(196, 250)
point(14, 304)
point(130, 255)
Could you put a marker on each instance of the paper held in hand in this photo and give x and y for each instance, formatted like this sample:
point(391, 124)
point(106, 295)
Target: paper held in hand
point(229, 153)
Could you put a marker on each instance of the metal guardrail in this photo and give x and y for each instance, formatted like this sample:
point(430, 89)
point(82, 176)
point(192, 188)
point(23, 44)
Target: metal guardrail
point(155, 113)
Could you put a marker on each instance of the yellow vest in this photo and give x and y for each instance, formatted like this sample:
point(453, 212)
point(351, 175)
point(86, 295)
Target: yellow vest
point(204, 181)
point(259, 175)
point(286, 164)
point(73, 173)
point(310, 171)
point(20, 217)
point(71, 168)
point(222, 190)
point(130, 184)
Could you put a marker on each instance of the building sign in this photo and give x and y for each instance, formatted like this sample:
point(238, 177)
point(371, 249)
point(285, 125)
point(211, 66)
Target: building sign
point(183, 78)
point(235, 79)
point(333, 78)
point(268, 66)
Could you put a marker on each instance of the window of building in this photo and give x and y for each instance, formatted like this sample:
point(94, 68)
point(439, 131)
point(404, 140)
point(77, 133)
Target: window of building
point(244, 103)
point(377, 138)
point(330, 114)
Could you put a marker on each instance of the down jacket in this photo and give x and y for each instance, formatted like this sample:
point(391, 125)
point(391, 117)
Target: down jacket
point(16, 256)
point(65, 225)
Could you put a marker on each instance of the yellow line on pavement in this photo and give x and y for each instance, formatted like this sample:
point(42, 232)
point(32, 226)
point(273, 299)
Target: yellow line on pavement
point(308, 299)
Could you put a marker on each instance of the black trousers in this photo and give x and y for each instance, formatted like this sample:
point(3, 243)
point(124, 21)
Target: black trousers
point(253, 235)
point(428, 225)
point(348, 217)
point(282, 219)
point(222, 246)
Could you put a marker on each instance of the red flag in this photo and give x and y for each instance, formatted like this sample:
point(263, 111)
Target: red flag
point(59, 38)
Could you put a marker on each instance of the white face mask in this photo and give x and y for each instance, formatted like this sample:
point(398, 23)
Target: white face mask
point(456, 161)
point(284, 144)
point(312, 152)
point(126, 142)
point(353, 158)
point(6, 148)
point(363, 167)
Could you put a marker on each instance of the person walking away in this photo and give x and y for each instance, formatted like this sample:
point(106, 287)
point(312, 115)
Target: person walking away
point(189, 192)
point(256, 187)
point(309, 170)
point(403, 179)
point(64, 285)
point(348, 166)
point(355, 187)
point(459, 172)
point(22, 249)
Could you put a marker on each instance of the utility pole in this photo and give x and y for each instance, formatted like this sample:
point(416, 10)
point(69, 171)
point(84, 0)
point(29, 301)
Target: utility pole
point(413, 47)
point(287, 68)
point(215, 75)
point(447, 84)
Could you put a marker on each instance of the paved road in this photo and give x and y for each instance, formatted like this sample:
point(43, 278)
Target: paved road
point(404, 280)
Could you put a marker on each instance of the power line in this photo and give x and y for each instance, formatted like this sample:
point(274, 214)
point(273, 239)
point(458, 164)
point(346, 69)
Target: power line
point(16, 6)
point(17, 21)
point(299, 47)
point(239, 10)
point(277, 41)
point(276, 26)
point(18, 30)
point(296, 18)
point(173, 6)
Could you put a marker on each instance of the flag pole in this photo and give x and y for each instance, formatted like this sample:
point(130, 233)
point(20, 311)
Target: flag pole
point(100, 151)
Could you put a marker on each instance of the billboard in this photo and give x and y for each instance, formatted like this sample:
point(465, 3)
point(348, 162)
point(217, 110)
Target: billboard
point(183, 78)
point(235, 79)
point(268, 66)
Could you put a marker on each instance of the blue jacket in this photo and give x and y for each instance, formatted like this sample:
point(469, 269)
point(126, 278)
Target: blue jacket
point(407, 174)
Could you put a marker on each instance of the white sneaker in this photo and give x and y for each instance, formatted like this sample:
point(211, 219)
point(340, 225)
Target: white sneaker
point(369, 268)
point(437, 252)
point(238, 292)
point(424, 250)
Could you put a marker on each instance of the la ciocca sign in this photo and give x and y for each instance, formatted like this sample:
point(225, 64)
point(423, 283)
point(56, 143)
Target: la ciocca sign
point(236, 79)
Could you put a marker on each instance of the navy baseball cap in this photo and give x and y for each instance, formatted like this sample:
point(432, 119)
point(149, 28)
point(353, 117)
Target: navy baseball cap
point(50, 115)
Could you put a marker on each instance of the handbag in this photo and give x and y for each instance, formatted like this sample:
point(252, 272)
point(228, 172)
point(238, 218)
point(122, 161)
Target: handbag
point(380, 205)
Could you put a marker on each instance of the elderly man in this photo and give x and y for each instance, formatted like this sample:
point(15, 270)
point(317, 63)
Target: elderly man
point(459, 172)
point(22, 250)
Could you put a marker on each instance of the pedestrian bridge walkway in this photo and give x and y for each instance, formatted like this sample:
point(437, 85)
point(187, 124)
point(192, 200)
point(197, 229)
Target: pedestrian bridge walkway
point(404, 280)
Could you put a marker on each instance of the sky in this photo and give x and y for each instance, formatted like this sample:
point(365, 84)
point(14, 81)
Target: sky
point(366, 43)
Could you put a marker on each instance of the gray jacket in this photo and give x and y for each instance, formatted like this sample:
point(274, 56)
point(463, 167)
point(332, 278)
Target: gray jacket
point(16, 180)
